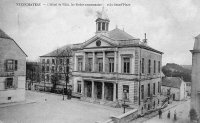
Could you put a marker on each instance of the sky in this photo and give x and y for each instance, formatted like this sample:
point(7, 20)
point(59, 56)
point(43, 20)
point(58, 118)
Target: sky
point(170, 25)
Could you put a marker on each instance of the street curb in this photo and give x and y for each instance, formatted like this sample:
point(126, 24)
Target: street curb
point(15, 103)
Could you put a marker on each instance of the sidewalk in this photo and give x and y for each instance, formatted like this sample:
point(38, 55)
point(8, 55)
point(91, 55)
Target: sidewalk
point(154, 114)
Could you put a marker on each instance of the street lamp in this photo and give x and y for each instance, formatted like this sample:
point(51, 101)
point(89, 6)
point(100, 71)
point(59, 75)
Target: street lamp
point(125, 98)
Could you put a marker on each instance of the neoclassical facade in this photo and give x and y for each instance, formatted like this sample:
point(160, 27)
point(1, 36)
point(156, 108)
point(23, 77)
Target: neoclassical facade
point(113, 65)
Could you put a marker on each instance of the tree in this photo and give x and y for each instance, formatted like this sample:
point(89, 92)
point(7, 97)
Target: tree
point(193, 115)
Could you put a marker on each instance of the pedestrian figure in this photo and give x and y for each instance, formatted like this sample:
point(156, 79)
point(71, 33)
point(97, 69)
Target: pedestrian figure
point(175, 115)
point(168, 115)
point(160, 114)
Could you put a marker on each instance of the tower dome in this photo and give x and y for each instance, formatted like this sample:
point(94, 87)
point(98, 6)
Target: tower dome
point(102, 22)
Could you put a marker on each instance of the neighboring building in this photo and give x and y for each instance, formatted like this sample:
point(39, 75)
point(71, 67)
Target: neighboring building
point(56, 63)
point(32, 74)
point(12, 70)
point(113, 62)
point(195, 87)
point(188, 88)
point(175, 87)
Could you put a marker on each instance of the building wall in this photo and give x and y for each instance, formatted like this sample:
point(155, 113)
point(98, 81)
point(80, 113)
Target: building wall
point(183, 91)
point(175, 91)
point(9, 50)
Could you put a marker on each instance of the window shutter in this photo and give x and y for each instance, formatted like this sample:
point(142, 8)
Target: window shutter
point(16, 64)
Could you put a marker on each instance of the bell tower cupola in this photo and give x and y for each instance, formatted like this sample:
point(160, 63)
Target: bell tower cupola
point(102, 22)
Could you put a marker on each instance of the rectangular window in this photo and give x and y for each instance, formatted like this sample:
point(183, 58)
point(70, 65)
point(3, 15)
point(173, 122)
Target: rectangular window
point(60, 69)
point(154, 66)
point(126, 92)
point(154, 88)
point(149, 91)
point(16, 64)
point(111, 65)
point(53, 61)
point(43, 61)
point(48, 61)
point(43, 69)
point(47, 68)
point(9, 83)
point(126, 65)
point(99, 26)
point(90, 64)
point(10, 65)
point(43, 77)
point(142, 65)
point(158, 87)
point(103, 26)
point(149, 66)
point(142, 91)
point(158, 66)
point(80, 64)
point(61, 61)
point(47, 76)
point(79, 86)
point(52, 69)
point(100, 64)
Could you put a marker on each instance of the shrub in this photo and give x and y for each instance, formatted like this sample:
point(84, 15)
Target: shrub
point(193, 114)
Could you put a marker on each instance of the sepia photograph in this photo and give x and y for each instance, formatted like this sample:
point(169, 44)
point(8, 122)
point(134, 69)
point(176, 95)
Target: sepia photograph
point(99, 61)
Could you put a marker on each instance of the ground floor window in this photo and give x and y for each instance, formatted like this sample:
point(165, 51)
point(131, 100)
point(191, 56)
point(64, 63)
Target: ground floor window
point(79, 86)
point(126, 92)
point(9, 83)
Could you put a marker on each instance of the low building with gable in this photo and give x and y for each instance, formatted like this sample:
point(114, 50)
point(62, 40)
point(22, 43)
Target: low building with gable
point(12, 70)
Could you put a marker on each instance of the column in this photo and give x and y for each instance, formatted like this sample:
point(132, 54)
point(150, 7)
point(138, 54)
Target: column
point(115, 62)
point(82, 88)
point(104, 61)
point(93, 65)
point(103, 84)
point(84, 61)
point(114, 92)
point(92, 89)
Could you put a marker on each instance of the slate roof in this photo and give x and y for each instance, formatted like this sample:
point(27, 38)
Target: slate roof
point(174, 82)
point(120, 35)
point(63, 51)
point(4, 35)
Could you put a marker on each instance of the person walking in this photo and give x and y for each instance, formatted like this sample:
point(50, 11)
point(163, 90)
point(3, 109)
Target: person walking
point(168, 115)
point(160, 114)
point(175, 115)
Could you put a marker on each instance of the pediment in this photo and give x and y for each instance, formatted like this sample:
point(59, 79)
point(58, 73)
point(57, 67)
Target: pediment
point(97, 43)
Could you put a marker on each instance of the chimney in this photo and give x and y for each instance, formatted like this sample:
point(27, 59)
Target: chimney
point(145, 39)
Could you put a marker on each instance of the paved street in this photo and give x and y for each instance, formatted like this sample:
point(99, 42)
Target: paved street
point(55, 110)
point(182, 111)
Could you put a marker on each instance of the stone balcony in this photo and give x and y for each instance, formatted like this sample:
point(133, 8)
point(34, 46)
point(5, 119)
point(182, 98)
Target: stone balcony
point(103, 75)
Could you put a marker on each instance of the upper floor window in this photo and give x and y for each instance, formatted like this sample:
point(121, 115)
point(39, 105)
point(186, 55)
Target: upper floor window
point(47, 76)
point(111, 65)
point(43, 69)
point(53, 61)
point(79, 86)
point(60, 69)
point(11, 65)
point(126, 65)
point(158, 87)
point(9, 83)
point(47, 68)
point(80, 64)
point(100, 64)
point(99, 26)
point(52, 69)
point(67, 61)
point(154, 66)
point(158, 66)
point(142, 65)
point(43, 61)
point(48, 61)
point(103, 26)
point(43, 77)
point(149, 66)
point(149, 90)
point(61, 61)
point(142, 91)
point(90, 64)
point(154, 88)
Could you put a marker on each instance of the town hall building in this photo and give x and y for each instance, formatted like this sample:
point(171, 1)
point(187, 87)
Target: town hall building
point(113, 66)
